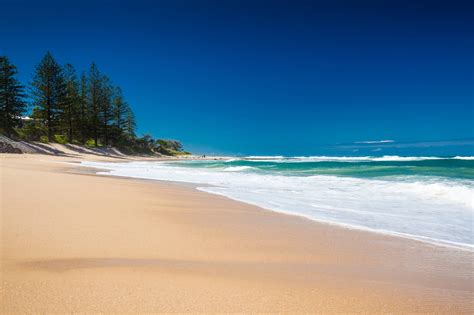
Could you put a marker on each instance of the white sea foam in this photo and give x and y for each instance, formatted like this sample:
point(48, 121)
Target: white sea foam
point(429, 209)
point(232, 160)
point(264, 157)
point(464, 157)
point(404, 158)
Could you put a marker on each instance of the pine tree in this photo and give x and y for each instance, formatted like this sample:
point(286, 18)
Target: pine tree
point(12, 105)
point(48, 90)
point(119, 112)
point(70, 102)
point(94, 95)
point(120, 109)
point(130, 124)
point(83, 113)
point(105, 108)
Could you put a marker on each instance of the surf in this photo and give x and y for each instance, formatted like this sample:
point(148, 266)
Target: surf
point(400, 197)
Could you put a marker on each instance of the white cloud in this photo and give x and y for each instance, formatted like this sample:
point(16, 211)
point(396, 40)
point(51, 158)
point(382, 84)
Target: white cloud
point(375, 141)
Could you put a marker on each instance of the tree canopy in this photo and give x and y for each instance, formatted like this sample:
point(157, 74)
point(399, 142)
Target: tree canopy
point(12, 105)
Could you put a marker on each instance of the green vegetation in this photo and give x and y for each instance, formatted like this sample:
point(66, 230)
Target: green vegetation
point(60, 139)
point(169, 147)
point(87, 110)
point(11, 97)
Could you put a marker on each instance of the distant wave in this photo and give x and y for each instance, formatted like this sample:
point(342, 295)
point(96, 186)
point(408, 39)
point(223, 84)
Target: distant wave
point(375, 142)
point(385, 158)
point(232, 160)
point(464, 157)
point(238, 168)
point(405, 158)
point(263, 157)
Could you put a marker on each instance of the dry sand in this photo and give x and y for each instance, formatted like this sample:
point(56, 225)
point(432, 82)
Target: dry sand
point(76, 242)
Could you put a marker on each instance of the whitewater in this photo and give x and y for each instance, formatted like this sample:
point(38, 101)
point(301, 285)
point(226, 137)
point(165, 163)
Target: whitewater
point(430, 199)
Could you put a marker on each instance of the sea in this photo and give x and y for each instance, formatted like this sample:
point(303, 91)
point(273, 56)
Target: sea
point(426, 198)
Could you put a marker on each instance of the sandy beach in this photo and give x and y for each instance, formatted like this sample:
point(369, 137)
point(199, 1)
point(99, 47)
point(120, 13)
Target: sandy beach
point(73, 241)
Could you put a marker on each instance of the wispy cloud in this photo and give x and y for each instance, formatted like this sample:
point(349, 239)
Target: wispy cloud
point(413, 144)
point(375, 141)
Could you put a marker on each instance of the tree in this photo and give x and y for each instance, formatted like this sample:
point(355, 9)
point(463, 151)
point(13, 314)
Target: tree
point(120, 109)
point(48, 90)
point(70, 102)
point(12, 105)
point(83, 113)
point(130, 124)
point(105, 108)
point(168, 147)
point(109, 115)
point(94, 94)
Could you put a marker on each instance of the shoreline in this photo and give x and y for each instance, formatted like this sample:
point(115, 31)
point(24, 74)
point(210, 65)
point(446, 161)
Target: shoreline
point(419, 239)
point(201, 187)
point(183, 250)
point(408, 237)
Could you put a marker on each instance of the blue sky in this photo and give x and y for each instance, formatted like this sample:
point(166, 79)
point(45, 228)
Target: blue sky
point(266, 77)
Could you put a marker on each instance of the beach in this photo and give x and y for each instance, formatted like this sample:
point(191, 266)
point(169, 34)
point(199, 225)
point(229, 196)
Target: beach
point(73, 241)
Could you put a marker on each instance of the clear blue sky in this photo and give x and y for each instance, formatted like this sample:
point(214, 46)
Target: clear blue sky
point(266, 77)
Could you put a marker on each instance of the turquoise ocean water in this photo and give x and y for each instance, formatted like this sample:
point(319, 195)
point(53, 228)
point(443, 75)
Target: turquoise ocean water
point(361, 167)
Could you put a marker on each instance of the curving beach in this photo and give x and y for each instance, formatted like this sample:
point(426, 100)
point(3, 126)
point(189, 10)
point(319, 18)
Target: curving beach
point(73, 241)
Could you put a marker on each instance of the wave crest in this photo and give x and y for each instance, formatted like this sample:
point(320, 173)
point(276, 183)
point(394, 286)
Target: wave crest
point(238, 168)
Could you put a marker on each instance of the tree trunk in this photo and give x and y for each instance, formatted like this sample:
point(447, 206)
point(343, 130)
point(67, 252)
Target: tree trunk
point(50, 130)
point(70, 126)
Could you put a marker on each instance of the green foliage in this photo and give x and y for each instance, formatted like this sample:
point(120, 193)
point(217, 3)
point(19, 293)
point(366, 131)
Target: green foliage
point(33, 128)
point(130, 124)
point(29, 132)
point(44, 139)
point(12, 105)
point(69, 103)
point(62, 139)
point(184, 153)
point(147, 145)
point(90, 143)
point(49, 91)
point(83, 116)
point(170, 152)
point(169, 147)
point(93, 99)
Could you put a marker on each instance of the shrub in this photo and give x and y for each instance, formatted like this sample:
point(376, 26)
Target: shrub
point(90, 143)
point(44, 139)
point(60, 139)
point(31, 131)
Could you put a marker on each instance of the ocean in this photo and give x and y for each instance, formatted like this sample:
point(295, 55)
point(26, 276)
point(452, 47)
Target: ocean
point(430, 199)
